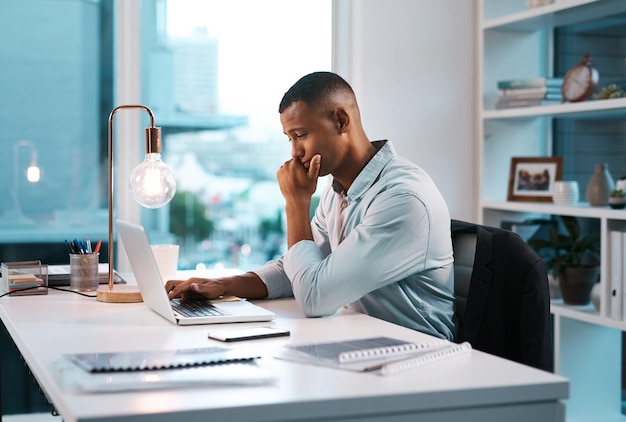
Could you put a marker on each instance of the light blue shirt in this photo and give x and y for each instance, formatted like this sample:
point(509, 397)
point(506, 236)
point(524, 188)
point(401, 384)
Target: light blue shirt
point(383, 248)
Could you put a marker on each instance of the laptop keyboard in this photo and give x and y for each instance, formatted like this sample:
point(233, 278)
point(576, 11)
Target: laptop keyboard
point(195, 308)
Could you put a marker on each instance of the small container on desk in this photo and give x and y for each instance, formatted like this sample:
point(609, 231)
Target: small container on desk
point(84, 272)
point(22, 278)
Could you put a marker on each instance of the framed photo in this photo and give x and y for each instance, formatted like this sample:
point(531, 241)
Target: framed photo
point(532, 178)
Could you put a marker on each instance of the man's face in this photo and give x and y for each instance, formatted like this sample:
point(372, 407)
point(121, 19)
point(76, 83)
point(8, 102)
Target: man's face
point(311, 133)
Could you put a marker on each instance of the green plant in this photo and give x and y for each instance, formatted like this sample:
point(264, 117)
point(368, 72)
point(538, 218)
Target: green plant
point(609, 92)
point(188, 217)
point(617, 193)
point(566, 246)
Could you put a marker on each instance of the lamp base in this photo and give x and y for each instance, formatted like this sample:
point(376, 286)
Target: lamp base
point(119, 294)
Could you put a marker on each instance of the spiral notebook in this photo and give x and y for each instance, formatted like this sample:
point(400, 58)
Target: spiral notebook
point(157, 359)
point(383, 354)
point(72, 378)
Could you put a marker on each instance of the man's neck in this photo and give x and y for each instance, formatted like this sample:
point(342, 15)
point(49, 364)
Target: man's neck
point(342, 182)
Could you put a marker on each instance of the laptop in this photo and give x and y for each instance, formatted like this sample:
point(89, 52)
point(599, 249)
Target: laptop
point(150, 284)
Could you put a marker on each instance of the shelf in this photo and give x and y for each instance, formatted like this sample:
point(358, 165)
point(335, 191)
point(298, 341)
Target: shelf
point(587, 109)
point(582, 209)
point(519, 42)
point(563, 12)
point(586, 313)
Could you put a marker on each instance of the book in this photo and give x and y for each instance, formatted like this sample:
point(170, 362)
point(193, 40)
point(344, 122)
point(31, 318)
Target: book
point(383, 354)
point(538, 92)
point(554, 96)
point(157, 359)
point(59, 275)
point(615, 276)
point(530, 83)
point(622, 287)
point(503, 103)
point(531, 93)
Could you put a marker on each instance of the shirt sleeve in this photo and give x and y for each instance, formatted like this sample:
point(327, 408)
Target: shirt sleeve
point(391, 242)
point(275, 279)
point(273, 274)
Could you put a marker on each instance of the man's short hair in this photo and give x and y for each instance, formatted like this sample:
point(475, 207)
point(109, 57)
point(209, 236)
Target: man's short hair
point(314, 88)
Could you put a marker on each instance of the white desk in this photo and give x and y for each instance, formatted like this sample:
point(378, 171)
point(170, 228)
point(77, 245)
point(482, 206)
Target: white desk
point(469, 387)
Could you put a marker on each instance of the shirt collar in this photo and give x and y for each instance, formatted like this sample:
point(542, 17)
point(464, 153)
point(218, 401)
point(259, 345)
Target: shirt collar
point(370, 172)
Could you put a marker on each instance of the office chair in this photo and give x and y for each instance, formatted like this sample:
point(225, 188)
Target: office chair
point(502, 297)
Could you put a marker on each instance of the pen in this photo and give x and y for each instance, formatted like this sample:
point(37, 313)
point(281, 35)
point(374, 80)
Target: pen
point(97, 250)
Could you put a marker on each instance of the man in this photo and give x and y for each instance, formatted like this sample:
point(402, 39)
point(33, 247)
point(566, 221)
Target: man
point(380, 238)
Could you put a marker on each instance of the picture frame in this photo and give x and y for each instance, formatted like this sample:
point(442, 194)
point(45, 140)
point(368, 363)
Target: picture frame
point(531, 178)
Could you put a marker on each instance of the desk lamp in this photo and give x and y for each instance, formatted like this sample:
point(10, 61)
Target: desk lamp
point(152, 185)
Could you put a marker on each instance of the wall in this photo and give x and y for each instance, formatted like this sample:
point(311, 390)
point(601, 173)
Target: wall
point(412, 65)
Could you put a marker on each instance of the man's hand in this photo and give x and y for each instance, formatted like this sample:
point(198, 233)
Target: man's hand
point(297, 180)
point(194, 288)
point(247, 285)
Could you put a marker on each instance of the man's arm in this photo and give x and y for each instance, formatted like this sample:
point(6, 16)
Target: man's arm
point(384, 247)
point(247, 285)
point(297, 185)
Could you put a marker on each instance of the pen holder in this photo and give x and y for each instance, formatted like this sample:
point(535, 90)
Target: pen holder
point(24, 278)
point(84, 272)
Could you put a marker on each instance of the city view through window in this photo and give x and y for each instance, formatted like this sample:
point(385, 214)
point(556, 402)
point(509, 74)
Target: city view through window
point(214, 73)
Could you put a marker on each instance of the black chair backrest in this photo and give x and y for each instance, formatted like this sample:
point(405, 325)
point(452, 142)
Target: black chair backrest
point(464, 246)
point(507, 307)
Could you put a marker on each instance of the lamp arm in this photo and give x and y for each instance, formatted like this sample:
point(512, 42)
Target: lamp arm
point(151, 132)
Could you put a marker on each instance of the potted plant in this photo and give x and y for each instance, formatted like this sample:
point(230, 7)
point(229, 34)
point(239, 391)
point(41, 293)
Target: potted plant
point(572, 257)
point(617, 199)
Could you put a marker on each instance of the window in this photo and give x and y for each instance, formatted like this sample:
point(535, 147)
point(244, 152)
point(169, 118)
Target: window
point(214, 73)
point(56, 85)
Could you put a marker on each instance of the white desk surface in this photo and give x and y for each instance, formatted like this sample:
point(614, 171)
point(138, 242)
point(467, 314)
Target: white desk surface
point(459, 388)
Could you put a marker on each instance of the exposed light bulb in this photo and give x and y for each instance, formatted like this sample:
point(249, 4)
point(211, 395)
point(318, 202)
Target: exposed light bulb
point(33, 174)
point(152, 183)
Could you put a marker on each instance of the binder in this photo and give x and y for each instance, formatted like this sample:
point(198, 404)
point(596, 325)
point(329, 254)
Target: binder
point(616, 250)
point(621, 258)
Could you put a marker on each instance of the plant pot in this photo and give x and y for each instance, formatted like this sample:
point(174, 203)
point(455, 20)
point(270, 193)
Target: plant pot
point(617, 202)
point(576, 284)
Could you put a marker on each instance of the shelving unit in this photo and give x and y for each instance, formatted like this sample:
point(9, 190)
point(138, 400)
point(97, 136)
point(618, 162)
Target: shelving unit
point(515, 42)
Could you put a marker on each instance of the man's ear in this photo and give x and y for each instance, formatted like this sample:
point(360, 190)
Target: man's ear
point(342, 120)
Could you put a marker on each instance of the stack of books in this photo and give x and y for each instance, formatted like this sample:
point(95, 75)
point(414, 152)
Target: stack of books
point(529, 92)
point(538, 3)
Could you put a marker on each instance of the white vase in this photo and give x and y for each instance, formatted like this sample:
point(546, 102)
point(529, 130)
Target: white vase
point(565, 192)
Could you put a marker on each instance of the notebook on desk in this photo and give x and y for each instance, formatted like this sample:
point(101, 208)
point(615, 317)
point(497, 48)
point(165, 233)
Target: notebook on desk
point(180, 312)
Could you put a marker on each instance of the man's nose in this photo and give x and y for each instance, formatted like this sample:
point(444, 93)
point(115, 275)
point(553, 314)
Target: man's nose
point(296, 151)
